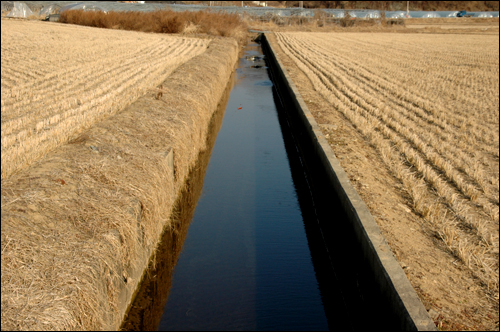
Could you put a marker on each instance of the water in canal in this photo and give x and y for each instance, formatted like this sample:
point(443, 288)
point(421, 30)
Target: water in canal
point(260, 240)
point(245, 262)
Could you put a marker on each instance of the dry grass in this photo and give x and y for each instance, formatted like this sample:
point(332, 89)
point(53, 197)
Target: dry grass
point(57, 83)
point(163, 21)
point(74, 224)
point(430, 108)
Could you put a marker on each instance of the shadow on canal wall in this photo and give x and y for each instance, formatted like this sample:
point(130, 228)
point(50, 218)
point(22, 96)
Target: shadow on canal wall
point(346, 292)
point(147, 307)
point(350, 255)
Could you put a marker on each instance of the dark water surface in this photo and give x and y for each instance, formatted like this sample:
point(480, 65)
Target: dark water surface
point(259, 239)
point(245, 263)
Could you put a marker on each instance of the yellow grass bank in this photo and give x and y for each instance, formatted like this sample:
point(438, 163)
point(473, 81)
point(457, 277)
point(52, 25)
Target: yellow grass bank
point(79, 224)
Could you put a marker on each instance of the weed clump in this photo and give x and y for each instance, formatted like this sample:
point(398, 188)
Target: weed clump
point(163, 21)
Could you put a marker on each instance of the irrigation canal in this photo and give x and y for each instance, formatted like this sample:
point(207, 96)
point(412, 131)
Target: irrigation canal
point(266, 246)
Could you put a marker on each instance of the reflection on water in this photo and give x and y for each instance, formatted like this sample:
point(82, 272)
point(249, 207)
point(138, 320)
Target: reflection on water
point(351, 296)
point(147, 308)
point(246, 264)
point(269, 246)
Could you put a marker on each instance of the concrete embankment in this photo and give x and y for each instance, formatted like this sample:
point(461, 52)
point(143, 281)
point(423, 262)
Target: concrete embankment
point(79, 226)
point(395, 291)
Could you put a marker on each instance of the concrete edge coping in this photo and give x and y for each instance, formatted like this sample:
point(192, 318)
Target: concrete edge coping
point(391, 276)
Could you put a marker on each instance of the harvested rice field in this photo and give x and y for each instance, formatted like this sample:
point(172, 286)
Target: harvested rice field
point(89, 116)
point(58, 80)
point(414, 121)
point(99, 131)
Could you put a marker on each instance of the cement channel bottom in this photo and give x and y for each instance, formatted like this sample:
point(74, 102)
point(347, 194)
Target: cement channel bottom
point(269, 246)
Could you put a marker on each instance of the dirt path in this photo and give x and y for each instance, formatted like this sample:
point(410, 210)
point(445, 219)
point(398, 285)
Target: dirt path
point(454, 297)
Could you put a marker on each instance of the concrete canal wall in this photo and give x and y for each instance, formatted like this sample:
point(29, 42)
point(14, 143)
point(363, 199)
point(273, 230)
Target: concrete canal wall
point(395, 289)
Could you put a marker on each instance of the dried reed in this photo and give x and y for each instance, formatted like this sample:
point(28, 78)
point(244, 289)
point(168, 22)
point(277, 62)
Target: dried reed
point(163, 21)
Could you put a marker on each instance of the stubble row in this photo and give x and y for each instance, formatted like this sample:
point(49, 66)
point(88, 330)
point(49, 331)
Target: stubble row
point(433, 120)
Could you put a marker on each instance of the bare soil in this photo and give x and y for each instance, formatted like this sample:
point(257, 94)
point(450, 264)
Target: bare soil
point(454, 298)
